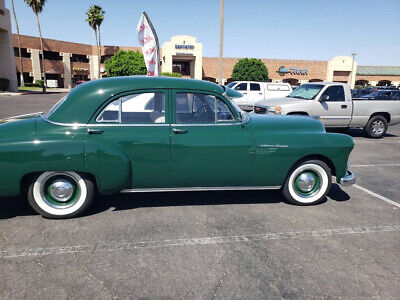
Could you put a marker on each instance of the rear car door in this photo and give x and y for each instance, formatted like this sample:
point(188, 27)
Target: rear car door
point(209, 145)
point(255, 93)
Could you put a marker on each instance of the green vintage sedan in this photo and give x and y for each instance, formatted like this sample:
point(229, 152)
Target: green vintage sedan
point(143, 134)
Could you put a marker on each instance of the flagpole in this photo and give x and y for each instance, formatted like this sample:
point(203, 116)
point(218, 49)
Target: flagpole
point(156, 38)
point(221, 43)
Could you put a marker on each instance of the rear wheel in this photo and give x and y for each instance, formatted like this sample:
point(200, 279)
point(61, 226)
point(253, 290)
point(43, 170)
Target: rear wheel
point(308, 183)
point(376, 127)
point(60, 195)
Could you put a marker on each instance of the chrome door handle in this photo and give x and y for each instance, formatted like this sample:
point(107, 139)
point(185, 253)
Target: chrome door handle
point(179, 131)
point(95, 131)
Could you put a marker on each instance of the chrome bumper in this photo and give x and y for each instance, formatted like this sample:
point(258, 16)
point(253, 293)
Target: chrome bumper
point(348, 178)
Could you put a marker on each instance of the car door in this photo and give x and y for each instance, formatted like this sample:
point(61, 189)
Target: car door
point(137, 125)
point(242, 88)
point(255, 93)
point(209, 145)
point(335, 111)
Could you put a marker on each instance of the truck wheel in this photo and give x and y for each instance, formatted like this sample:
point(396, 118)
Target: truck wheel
point(60, 195)
point(308, 183)
point(376, 127)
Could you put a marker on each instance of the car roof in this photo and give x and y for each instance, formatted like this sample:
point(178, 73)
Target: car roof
point(86, 98)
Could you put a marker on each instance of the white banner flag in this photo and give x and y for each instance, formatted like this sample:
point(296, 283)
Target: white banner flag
point(149, 41)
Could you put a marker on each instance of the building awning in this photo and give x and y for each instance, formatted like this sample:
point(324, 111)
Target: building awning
point(378, 70)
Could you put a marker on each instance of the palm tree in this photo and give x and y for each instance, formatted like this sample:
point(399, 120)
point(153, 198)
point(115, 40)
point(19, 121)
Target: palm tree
point(21, 70)
point(95, 17)
point(37, 7)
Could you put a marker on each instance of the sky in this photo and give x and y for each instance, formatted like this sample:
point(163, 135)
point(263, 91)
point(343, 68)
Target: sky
point(287, 29)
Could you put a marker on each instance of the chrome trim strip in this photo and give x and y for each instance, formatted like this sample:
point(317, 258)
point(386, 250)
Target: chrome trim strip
point(201, 189)
point(207, 124)
point(348, 179)
point(104, 124)
point(25, 115)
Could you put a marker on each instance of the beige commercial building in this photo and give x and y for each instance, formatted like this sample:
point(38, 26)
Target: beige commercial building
point(7, 61)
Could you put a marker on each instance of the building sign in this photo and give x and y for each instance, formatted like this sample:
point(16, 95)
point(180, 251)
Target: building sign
point(185, 47)
point(292, 70)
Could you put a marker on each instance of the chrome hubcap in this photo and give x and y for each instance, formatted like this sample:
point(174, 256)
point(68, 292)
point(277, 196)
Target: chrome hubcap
point(61, 190)
point(306, 182)
point(377, 127)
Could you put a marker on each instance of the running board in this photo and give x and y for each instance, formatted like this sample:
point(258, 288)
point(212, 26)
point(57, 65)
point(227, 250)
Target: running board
point(202, 189)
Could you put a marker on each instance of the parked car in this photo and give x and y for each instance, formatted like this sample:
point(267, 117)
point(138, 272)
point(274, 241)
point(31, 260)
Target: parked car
point(255, 91)
point(383, 95)
point(332, 101)
point(186, 135)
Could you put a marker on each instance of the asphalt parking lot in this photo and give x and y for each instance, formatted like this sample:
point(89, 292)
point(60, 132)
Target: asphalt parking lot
point(212, 244)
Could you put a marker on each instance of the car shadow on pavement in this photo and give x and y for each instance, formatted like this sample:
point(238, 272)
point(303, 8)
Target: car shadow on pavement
point(14, 207)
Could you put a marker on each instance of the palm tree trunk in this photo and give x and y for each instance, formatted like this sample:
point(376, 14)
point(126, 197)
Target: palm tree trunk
point(99, 50)
point(21, 69)
point(42, 60)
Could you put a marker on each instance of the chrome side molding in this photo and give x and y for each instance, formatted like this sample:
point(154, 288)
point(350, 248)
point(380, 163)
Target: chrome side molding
point(202, 189)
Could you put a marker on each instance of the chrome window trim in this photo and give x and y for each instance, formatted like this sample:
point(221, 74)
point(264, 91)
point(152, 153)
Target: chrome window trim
point(201, 189)
point(104, 124)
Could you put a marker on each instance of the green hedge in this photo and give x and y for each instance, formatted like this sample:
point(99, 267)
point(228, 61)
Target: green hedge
point(4, 83)
point(40, 82)
point(28, 84)
point(168, 74)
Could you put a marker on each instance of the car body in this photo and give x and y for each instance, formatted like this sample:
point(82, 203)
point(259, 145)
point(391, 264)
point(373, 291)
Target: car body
point(254, 91)
point(191, 137)
point(332, 102)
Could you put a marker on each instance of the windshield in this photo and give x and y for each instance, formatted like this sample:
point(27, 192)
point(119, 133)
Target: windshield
point(229, 85)
point(306, 91)
point(56, 106)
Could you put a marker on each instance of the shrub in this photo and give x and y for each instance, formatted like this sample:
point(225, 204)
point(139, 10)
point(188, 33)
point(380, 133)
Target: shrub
point(126, 63)
point(250, 69)
point(29, 84)
point(4, 83)
point(168, 74)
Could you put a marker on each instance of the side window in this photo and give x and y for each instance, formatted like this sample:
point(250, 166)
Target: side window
point(193, 108)
point(143, 108)
point(255, 87)
point(241, 87)
point(335, 93)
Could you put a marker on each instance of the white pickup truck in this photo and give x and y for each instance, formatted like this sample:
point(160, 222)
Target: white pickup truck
point(254, 91)
point(332, 102)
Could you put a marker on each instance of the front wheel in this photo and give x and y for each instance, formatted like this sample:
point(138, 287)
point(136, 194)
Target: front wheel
point(60, 195)
point(308, 183)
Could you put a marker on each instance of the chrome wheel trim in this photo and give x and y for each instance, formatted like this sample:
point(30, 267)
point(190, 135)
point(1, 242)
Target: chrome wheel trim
point(377, 127)
point(61, 190)
point(306, 182)
point(317, 194)
point(59, 210)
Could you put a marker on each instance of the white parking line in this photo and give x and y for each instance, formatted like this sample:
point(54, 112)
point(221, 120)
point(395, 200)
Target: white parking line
point(376, 195)
point(375, 165)
point(15, 253)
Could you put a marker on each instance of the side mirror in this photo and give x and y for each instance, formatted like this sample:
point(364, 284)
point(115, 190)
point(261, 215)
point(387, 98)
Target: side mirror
point(324, 98)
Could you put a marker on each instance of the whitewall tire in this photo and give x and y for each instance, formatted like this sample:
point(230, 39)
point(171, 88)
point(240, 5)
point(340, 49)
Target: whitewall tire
point(308, 183)
point(60, 195)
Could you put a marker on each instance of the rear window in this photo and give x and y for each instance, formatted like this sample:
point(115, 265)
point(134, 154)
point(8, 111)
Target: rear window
point(255, 87)
point(278, 87)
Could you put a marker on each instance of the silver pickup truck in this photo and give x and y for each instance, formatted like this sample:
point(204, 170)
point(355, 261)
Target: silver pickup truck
point(332, 102)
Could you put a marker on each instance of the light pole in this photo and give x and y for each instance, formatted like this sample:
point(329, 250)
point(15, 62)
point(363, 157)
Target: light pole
point(352, 70)
point(221, 42)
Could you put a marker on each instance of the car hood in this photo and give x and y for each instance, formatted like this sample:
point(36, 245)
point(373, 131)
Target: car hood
point(285, 123)
point(280, 101)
